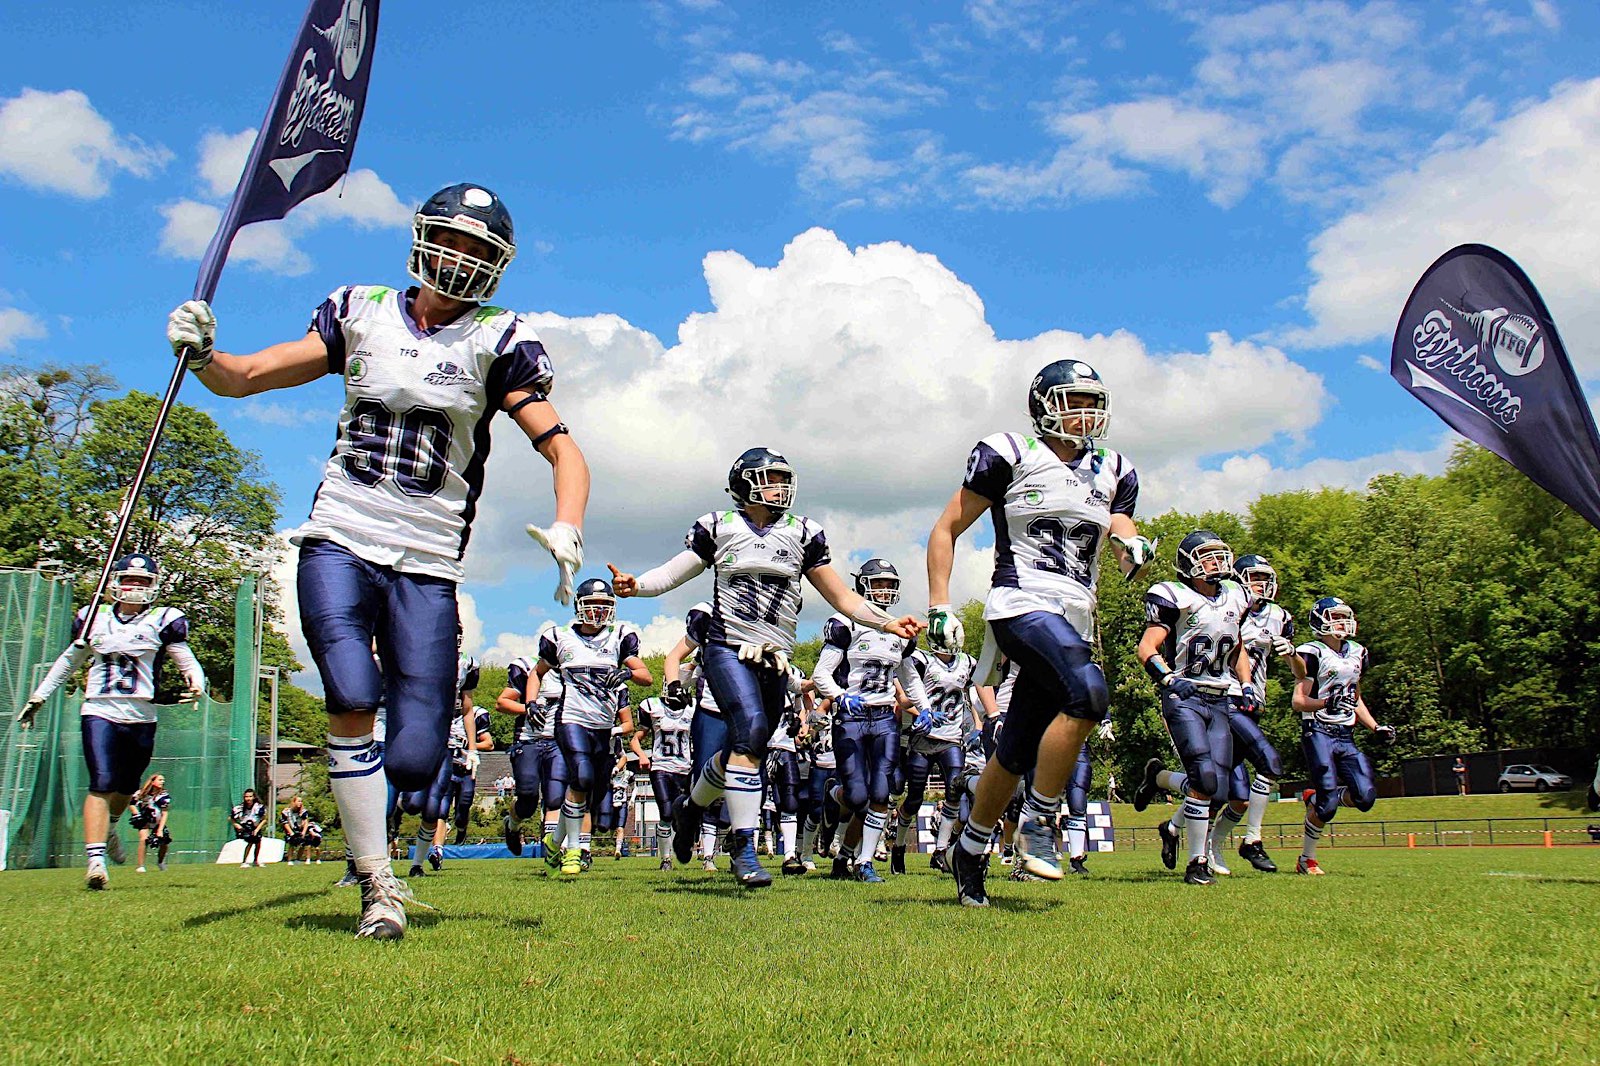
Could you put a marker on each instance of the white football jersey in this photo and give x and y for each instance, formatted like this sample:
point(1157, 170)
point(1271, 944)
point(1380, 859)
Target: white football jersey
point(669, 733)
point(584, 661)
point(1334, 675)
point(871, 659)
point(458, 732)
point(466, 675)
point(1259, 628)
point(756, 591)
point(1050, 521)
point(401, 487)
point(125, 656)
point(1203, 632)
point(949, 688)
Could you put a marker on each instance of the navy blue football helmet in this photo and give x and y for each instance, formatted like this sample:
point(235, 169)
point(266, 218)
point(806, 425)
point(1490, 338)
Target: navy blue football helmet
point(879, 582)
point(1332, 617)
point(1050, 406)
point(1204, 556)
point(761, 475)
point(134, 579)
point(594, 602)
point(465, 209)
point(1258, 577)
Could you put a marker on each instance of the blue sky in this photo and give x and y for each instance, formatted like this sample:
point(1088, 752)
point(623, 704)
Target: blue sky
point(851, 231)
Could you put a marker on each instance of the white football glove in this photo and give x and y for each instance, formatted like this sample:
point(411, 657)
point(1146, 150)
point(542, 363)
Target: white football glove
point(472, 762)
point(192, 332)
point(756, 654)
point(1282, 647)
point(29, 709)
point(1105, 732)
point(193, 694)
point(565, 543)
point(1140, 551)
point(945, 631)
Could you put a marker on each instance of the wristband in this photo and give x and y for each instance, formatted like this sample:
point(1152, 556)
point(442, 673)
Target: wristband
point(1158, 670)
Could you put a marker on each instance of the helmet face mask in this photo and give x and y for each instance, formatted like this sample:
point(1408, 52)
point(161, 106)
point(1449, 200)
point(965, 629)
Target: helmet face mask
point(1258, 577)
point(447, 263)
point(878, 582)
point(1068, 401)
point(134, 580)
point(595, 604)
point(1332, 617)
point(762, 477)
point(1204, 556)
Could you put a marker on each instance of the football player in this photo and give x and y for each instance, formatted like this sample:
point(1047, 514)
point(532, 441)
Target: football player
point(293, 820)
point(1053, 497)
point(1077, 803)
point(758, 553)
point(857, 670)
point(1268, 630)
point(788, 779)
point(708, 730)
point(124, 646)
point(424, 371)
point(1193, 649)
point(147, 812)
point(246, 818)
point(947, 678)
point(536, 765)
point(666, 718)
point(595, 655)
point(821, 809)
point(1328, 700)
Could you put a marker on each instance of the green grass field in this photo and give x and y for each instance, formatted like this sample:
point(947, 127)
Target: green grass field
point(1398, 956)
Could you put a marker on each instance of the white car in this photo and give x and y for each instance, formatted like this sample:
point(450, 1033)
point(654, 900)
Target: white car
point(1536, 776)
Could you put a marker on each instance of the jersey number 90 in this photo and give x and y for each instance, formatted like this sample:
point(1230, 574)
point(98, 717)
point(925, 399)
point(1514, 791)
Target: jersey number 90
point(413, 448)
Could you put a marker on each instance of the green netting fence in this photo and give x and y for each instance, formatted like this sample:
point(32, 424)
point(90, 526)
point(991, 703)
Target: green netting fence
point(204, 749)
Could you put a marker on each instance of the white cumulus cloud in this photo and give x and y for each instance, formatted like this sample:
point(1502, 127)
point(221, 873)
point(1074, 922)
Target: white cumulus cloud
point(17, 326)
point(58, 142)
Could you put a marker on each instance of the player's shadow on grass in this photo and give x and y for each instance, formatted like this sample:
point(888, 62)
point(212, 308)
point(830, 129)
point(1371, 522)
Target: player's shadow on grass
point(419, 919)
point(718, 887)
point(208, 918)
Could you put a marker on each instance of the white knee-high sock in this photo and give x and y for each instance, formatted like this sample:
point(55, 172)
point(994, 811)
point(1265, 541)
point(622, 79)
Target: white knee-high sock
point(1260, 792)
point(1197, 814)
point(1172, 780)
point(809, 842)
point(947, 825)
point(1312, 835)
point(571, 824)
point(1077, 836)
point(356, 778)
point(710, 783)
point(1223, 827)
point(742, 791)
point(790, 825)
point(872, 827)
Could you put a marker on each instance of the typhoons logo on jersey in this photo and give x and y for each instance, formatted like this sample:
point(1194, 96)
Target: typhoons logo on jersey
point(449, 374)
point(356, 369)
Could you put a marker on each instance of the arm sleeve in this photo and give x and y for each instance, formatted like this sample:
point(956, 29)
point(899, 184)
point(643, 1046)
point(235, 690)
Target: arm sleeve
point(911, 681)
point(66, 664)
point(183, 658)
point(675, 571)
point(989, 473)
point(832, 655)
point(1159, 610)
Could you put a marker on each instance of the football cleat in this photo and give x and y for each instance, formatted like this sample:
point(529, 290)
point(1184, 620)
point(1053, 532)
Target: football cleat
point(141, 869)
point(383, 907)
point(940, 861)
point(810, 866)
point(461, 836)
point(793, 867)
point(552, 853)
point(1147, 789)
point(571, 862)
point(1303, 865)
point(586, 857)
point(1217, 866)
point(513, 831)
point(1256, 855)
point(865, 873)
point(709, 866)
point(1307, 795)
point(666, 864)
point(436, 858)
point(1169, 845)
point(349, 880)
point(1020, 872)
point(897, 861)
point(114, 849)
point(162, 866)
point(1008, 854)
point(686, 827)
point(1037, 849)
point(747, 866)
point(841, 868)
point(1198, 873)
point(95, 877)
point(415, 871)
point(1077, 866)
point(970, 871)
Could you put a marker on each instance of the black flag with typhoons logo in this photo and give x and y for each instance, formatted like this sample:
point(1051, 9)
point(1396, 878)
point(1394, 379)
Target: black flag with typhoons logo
point(305, 142)
point(1477, 345)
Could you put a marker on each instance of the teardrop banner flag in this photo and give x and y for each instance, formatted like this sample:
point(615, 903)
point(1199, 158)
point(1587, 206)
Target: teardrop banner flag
point(1477, 345)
